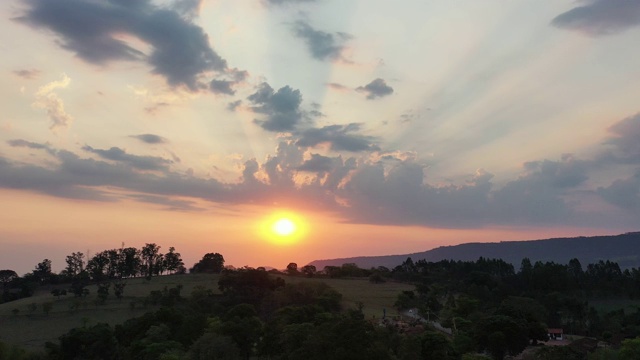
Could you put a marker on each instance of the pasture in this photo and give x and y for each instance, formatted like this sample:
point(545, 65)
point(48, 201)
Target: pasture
point(30, 326)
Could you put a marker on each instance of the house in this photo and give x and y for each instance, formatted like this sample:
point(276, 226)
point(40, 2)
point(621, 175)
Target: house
point(555, 334)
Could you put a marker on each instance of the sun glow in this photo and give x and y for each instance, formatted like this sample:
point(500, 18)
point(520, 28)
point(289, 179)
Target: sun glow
point(283, 228)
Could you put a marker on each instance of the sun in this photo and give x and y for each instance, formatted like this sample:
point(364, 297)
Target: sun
point(284, 227)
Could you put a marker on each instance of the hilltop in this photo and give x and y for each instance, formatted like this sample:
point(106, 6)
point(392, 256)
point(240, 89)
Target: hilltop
point(623, 249)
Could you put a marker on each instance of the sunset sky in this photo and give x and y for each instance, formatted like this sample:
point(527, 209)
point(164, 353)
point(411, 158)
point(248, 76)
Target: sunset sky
point(384, 127)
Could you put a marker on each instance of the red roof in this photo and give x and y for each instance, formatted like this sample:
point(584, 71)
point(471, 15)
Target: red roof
point(555, 331)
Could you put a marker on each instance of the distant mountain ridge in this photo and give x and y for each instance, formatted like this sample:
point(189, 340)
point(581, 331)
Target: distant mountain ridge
point(623, 249)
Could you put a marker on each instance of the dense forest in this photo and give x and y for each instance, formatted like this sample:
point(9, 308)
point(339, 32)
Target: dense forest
point(459, 310)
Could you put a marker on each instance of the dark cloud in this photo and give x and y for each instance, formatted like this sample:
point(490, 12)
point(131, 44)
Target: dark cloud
point(538, 196)
point(135, 161)
point(375, 89)
point(27, 144)
point(317, 163)
point(600, 17)
point(180, 50)
point(281, 108)
point(150, 138)
point(338, 137)
point(624, 193)
point(221, 87)
point(27, 73)
point(322, 45)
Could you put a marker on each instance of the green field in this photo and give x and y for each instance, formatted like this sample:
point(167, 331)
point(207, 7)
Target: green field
point(32, 329)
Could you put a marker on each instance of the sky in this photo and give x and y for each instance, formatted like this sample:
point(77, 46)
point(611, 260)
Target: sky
point(381, 127)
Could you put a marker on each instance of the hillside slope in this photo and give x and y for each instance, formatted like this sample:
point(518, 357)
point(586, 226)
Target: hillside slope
point(623, 249)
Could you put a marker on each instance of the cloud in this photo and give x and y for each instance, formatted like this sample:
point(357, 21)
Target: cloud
point(135, 161)
point(187, 8)
point(221, 87)
point(49, 101)
point(338, 137)
point(600, 17)
point(282, 108)
point(27, 144)
point(321, 45)
point(625, 141)
point(538, 195)
point(232, 106)
point(288, 2)
point(27, 73)
point(93, 30)
point(150, 138)
point(169, 203)
point(624, 193)
point(376, 89)
point(339, 87)
point(317, 163)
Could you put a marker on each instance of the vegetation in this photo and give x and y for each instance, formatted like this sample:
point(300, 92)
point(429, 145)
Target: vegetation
point(453, 310)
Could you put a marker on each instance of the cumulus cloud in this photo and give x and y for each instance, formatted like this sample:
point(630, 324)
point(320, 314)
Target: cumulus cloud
point(600, 17)
point(338, 137)
point(150, 138)
point(180, 50)
point(48, 100)
point(321, 45)
point(135, 161)
point(376, 89)
point(281, 108)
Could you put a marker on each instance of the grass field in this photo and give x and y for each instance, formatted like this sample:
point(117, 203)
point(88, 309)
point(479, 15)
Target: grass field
point(31, 329)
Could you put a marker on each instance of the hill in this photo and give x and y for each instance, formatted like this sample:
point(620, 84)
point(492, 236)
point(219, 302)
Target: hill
point(623, 249)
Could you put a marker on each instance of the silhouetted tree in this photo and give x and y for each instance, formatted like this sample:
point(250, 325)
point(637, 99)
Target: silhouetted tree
point(42, 272)
point(6, 277)
point(292, 269)
point(309, 270)
point(210, 263)
point(150, 254)
point(173, 261)
point(75, 264)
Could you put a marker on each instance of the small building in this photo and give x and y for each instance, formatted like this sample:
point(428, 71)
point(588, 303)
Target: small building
point(555, 334)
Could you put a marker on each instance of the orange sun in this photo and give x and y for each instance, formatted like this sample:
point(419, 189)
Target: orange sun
point(283, 228)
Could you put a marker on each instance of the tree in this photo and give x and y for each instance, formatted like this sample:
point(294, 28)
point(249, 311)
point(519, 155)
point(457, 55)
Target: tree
point(292, 269)
point(42, 272)
point(309, 270)
point(210, 263)
point(6, 277)
point(129, 262)
point(98, 266)
point(150, 254)
point(75, 264)
point(173, 261)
